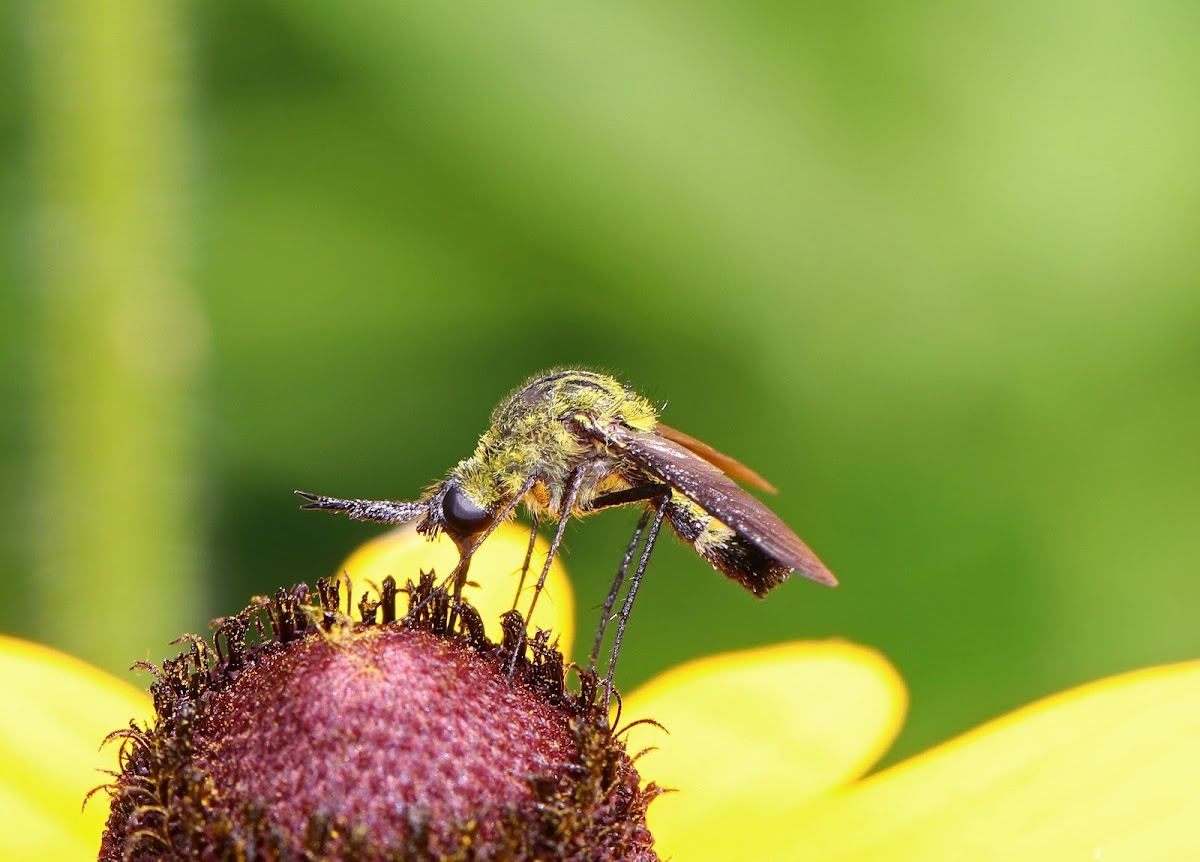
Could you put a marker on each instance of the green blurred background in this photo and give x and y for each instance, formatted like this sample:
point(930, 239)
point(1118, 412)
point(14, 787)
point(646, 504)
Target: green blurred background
point(932, 268)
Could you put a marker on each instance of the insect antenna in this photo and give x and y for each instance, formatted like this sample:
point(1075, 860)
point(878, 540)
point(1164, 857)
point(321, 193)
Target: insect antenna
point(634, 583)
point(618, 582)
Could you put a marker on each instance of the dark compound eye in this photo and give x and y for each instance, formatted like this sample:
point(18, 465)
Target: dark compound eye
point(462, 514)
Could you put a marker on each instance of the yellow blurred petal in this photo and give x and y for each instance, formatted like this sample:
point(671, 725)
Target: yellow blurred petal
point(496, 568)
point(57, 711)
point(752, 735)
point(1110, 771)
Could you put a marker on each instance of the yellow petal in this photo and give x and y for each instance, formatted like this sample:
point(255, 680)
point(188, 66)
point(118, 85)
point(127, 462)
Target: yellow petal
point(496, 568)
point(752, 735)
point(57, 710)
point(1110, 771)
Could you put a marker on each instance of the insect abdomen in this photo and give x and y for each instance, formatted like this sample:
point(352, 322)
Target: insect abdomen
point(728, 552)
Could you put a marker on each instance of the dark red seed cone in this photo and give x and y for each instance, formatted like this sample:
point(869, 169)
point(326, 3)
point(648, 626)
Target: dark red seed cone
point(375, 742)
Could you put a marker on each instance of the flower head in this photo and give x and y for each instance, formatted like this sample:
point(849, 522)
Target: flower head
point(397, 733)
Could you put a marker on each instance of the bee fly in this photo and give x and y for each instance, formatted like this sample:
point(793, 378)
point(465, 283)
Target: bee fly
point(574, 442)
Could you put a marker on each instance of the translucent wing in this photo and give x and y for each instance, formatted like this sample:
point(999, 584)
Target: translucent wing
point(730, 466)
point(699, 480)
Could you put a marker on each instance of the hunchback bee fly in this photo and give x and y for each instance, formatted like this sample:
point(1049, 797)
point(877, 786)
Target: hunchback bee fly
point(573, 442)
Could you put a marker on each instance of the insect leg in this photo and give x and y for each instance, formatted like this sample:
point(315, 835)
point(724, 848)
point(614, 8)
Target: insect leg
point(605, 615)
point(528, 559)
point(573, 485)
point(623, 618)
point(464, 556)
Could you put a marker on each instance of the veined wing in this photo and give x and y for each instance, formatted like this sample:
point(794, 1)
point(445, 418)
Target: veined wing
point(731, 466)
point(703, 483)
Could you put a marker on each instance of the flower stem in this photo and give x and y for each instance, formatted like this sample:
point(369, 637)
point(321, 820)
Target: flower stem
point(117, 337)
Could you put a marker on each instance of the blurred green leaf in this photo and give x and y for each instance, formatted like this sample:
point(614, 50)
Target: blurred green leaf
point(930, 268)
